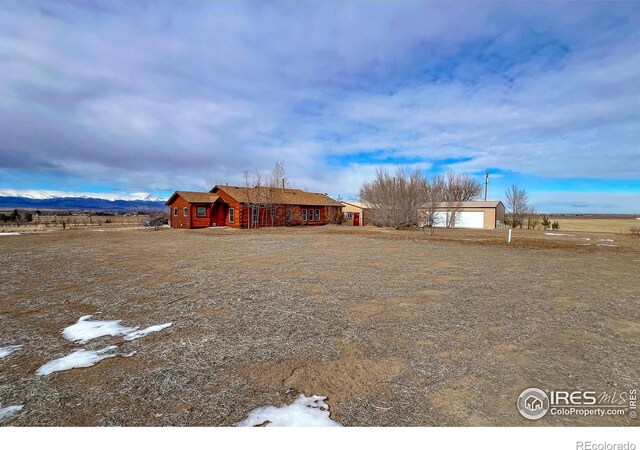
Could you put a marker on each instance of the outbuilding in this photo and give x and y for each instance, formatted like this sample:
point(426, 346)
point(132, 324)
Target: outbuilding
point(355, 213)
point(472, 214)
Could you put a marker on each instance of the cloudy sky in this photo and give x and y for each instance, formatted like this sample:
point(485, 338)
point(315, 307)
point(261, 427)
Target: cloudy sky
point(134, 97)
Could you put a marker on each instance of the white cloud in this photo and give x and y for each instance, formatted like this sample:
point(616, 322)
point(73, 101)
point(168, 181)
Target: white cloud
point(166, 98)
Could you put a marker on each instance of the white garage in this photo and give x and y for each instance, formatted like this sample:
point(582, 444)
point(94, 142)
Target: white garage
point(471, 214)
point(463, 219)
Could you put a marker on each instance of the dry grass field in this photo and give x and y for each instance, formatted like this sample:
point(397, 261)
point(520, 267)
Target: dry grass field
point(395, 327)
point(597, 224)
point(79, 221)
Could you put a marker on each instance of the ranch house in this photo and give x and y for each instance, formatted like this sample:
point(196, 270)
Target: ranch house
point(247, 207)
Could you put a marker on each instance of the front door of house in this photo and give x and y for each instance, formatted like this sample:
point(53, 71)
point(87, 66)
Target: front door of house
point(356, 219)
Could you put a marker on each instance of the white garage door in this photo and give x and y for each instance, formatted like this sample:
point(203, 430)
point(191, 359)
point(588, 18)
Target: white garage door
point(470, 219)
point(464, 219)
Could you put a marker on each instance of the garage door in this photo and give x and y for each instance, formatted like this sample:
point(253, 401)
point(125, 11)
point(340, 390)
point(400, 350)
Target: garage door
point(470, 219)
point(464, 219)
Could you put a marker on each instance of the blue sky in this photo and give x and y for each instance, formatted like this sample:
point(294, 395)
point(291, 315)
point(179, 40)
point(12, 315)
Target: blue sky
point(143, 97)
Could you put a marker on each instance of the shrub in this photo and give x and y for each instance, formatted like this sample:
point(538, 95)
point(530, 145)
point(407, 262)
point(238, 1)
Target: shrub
point(546, 223)
point(635, 231)
point(555, 225)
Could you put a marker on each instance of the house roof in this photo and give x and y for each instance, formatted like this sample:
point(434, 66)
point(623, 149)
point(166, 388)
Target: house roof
point(469, 204)
point(361, 205)
point(193, 197)
point(261, 195)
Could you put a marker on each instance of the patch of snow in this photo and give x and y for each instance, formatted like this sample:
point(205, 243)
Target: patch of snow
point(86, 330)
point(9, 411)
point(558, 234)
point(586, 239)
point(77, 359)
point(303, 412)
point(142, 333)
point(584, 244)
point(97, 230)
point(9, 349)
point(607, 245)
point(606, 240)
point(13, 233)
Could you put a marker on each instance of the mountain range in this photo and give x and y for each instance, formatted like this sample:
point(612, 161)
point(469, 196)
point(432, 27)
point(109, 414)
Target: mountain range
point(81, 203)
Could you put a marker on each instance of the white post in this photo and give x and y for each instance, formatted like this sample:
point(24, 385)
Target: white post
point(509, 238)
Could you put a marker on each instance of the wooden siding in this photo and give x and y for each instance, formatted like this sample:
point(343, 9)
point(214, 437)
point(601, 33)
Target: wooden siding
point(180, 221)
point(218, 213)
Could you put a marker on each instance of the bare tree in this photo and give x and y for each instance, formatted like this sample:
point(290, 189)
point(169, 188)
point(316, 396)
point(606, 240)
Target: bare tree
point(276, 183)
point(394, 200)
point(252, 199)
point(267, 196)
point(532, 218)
point(458, 188)
point(517, 206)
point(434, 196)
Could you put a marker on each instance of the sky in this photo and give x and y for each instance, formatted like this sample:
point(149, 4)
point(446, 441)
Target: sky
point(124, 99)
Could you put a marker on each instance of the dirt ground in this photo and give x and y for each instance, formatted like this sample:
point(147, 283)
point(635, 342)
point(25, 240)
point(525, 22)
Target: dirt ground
point(397, 328)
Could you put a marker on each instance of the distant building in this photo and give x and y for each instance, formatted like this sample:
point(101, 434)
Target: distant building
point(472, 214)
point(246, 207)
point(355, 213)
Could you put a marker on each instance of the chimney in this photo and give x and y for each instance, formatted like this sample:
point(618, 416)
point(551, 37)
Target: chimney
point(283, 184)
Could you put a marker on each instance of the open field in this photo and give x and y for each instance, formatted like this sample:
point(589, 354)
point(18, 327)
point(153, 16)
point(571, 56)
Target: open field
point(79, 221)
point(395, 327)
point(597, 224)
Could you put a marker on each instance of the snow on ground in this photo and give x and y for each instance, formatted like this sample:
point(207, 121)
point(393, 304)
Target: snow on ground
point(607, 245)
point(606, 240)
point(9, 411)
point(142, 333)
point(76, 359)
point(10, 234)
point(303, 412)
point(9, 349)
point(85, 330)
point(559, 234)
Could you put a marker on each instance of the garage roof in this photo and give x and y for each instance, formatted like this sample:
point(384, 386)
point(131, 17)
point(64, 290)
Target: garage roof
point(470, 204)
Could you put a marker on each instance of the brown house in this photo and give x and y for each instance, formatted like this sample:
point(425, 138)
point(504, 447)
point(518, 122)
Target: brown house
point(244, 207)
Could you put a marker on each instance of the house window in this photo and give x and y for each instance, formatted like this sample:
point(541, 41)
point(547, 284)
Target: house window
point(304, 215)
point(202, 211)
point(232, 215)
point(350, 216)
point(317, 215)
point(255, 215)
point(289, 215)
point(185, 211)
point(310, 215)
point(175, 211)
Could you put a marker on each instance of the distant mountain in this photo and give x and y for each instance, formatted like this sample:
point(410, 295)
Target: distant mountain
point(81, 203)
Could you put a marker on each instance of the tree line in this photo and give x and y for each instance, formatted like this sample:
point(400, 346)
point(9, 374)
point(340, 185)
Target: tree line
point(394, 199)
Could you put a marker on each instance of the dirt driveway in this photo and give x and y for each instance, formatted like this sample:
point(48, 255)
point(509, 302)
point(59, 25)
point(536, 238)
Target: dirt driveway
point(396, 328)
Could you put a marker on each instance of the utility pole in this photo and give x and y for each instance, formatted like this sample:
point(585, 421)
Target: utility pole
point(486, 184)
